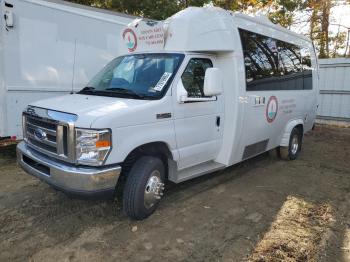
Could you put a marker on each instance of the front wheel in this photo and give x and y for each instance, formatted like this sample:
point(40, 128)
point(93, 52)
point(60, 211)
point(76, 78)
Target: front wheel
point(144, 187)
point(291, 152)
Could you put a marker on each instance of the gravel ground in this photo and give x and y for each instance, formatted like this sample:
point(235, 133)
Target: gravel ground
point(263, 209)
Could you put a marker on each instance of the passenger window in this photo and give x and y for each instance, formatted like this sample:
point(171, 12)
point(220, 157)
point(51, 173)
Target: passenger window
point(307, 68)
point(272, 64)
point(291, 69)
point(290, 58)
point(306, 58)
point(261, 60)
point(193, 76)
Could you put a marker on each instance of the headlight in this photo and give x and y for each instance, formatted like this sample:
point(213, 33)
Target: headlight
point(92, 146)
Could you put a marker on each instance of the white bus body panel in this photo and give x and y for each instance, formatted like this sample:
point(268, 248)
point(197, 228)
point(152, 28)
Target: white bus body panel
point(251, 127)
point(2, 77)
point(53, 49)
point(197, 146)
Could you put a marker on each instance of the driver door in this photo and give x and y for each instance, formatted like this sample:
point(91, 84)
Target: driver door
point(197, 123)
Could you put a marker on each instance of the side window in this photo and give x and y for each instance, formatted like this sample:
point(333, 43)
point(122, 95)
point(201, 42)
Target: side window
point(290, 58)
point(306, 58)
point(291, 68)
point(261, 60)
point(193, 76)
point(272, 64)
point(307, 68)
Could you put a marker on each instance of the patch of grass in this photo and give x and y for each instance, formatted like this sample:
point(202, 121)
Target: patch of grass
point(8, 152)
point(296, 234)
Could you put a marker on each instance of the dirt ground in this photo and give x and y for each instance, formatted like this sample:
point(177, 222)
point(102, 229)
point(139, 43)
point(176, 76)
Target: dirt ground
point(263, 209)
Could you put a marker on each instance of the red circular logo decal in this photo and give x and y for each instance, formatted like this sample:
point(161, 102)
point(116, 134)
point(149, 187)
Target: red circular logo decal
point(130, 39)
point(271, 109)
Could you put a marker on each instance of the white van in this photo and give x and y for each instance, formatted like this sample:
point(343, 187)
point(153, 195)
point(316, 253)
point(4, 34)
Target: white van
point(202, 91)
point(50, 48)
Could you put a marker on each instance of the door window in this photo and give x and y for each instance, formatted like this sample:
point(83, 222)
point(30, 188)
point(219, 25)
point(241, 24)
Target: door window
point(193, 76)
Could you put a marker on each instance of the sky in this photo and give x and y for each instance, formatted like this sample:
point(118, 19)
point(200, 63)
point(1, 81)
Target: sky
point(339, 15)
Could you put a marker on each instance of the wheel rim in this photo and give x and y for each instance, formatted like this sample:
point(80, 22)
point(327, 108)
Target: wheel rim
point(295, 144)
point(153, 190)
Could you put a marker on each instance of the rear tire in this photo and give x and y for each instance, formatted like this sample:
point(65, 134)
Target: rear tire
point(291, 151)
point(144, 187)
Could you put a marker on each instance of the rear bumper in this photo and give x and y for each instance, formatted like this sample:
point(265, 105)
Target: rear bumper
point(73, 180)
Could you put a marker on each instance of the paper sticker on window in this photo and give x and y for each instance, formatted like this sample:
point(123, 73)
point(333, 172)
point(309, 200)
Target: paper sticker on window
point(162, 81)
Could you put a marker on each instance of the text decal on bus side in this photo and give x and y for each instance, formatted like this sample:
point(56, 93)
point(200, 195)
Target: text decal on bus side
point(271, 109)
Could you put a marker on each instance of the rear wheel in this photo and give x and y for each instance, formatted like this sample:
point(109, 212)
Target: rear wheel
point(291, 152)
point(144, 187)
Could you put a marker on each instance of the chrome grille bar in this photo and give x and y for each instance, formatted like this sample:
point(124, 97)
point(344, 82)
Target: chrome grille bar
point(46, 142)
point(47, 130)
point(60, 142)
point(50, 132)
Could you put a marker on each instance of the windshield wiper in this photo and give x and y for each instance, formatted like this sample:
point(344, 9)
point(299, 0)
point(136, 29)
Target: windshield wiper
point(87, 90)
point(120, 90)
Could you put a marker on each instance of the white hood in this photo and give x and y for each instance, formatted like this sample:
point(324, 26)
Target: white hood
point(90, 109)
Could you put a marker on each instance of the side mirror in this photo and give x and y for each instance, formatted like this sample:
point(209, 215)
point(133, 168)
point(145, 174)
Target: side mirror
point(213, 82)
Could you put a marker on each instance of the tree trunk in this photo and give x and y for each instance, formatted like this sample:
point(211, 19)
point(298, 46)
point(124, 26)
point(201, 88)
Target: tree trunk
point(324, 41)
point(347, 48)
point(313, 23)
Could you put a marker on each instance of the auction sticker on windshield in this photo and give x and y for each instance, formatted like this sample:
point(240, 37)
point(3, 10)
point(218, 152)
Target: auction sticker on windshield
point(162, 81)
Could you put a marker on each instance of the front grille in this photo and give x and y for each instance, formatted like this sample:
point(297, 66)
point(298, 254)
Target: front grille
point(48, 136)
point(35, 142)
point(49, 128)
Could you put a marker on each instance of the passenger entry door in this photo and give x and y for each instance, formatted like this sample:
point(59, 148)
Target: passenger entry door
point(197, 123)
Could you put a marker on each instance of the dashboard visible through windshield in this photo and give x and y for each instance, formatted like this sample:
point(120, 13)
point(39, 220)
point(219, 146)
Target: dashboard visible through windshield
point(138, 76)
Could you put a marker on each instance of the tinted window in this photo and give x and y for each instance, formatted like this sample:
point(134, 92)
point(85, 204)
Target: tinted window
point(261, 60)
point(193, 76)
point(290, 58)
point(272, 64)
point(307, 68)
point(290, 66)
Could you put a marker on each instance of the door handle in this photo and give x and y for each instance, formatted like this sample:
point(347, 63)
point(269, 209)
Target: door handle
point(218, 121)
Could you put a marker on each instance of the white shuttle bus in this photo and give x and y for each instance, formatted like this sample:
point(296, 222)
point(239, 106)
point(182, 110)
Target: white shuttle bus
point(201, 91)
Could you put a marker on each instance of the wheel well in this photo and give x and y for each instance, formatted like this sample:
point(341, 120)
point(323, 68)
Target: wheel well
point(301, 129)
point(158, 149)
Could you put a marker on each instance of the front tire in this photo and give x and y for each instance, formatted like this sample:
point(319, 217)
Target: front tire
point(291, 152)
point(144, 187)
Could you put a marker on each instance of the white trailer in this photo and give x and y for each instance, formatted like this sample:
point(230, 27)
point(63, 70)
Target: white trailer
point(202, 91)
point(50, 48)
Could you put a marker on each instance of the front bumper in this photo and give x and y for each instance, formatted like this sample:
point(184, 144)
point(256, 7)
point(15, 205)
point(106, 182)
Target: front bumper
point(73, 180)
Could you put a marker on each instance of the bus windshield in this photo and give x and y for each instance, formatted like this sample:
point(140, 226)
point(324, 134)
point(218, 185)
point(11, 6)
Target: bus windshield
point(139, 76)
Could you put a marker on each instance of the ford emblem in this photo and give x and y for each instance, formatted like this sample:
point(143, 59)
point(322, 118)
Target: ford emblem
point(31, 111)
point(40, 134)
